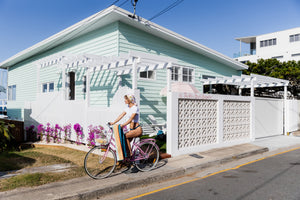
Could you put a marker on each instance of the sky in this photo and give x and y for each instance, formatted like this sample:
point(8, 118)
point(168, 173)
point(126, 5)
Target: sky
point(213, 23)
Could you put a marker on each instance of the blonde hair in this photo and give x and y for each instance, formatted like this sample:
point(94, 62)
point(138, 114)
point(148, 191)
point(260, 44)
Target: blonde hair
point(130, 97)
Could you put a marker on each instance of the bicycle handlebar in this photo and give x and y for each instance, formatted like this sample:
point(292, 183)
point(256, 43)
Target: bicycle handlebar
point(109, 126)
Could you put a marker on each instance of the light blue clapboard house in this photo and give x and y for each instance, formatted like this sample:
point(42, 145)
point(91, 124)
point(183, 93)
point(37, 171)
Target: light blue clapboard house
point(75, 73)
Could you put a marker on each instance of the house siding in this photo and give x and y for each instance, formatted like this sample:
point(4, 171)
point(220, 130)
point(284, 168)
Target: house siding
point(24, 75)
point(112, 39)
point(132, 39)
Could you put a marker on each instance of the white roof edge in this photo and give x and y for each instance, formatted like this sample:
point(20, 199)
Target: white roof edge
point(189, 41)
point(248, 37)
point(204, 50)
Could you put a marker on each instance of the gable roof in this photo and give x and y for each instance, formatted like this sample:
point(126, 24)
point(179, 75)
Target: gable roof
point(108, 16)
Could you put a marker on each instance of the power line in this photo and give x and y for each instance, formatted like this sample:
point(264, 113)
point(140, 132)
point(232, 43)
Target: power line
point(114, 2)
point(123, 3)
point(166, 9)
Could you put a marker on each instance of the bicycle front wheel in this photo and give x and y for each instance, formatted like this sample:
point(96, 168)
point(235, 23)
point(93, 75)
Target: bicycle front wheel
point(100, 163)
point(146, 156)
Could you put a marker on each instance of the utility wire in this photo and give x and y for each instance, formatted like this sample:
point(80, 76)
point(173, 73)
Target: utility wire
point(123, 3)
point(166, 9)
point(114, 2)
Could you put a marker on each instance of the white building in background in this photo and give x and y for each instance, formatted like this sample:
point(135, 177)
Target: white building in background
point(282, 45)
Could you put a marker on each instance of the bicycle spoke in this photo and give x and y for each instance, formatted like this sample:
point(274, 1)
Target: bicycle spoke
point(99, 163)
point(147, 156)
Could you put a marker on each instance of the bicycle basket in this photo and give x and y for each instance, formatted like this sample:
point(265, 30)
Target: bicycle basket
point(102, 141)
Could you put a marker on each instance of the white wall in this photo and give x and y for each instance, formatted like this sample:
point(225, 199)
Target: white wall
point(283, 47)
point(293, 115)
point(268, 117)
point(52, 108)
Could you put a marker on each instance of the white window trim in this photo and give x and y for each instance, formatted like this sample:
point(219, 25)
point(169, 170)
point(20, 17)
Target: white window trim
point(10, 93)
point(294, 36)
point(180, 74)
point(147, 79)
point(48, 88)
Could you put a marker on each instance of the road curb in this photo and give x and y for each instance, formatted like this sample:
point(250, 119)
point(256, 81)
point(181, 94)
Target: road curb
point(130, 184)
point(143, 181)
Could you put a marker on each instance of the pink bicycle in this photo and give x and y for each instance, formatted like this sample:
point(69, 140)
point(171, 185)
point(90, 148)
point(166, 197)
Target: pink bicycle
point(101, 160)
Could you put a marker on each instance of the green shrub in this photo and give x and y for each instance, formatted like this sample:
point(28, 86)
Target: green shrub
point(6, 138)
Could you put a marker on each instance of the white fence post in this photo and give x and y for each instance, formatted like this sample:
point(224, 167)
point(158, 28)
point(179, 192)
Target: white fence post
point(220, 121)
point(172, 123)
point(252, 118)
point(285, 129)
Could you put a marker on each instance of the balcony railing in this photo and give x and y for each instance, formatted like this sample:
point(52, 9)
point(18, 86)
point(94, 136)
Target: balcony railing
point(3, 106)
point(245, 53)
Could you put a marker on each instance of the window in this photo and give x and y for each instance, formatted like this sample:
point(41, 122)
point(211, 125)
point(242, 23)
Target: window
point(147, 75)
point(295, 38)
point(175, 73)
point(47, 87)
point(245, 61)
point(270, 42)
point(12, 92)
point(295, 54)
point(292, 38)
point(183, 74)
point(51, 87)
point(207, 77)
point(277, 57)
point(71, 85)
point(187, 74)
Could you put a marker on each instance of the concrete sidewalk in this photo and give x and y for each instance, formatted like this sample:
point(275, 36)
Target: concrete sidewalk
point(87, 188)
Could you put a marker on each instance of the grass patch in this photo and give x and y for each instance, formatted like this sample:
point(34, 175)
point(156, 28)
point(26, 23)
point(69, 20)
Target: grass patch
point(36, 157)
point(36, 179)
point(28, 158)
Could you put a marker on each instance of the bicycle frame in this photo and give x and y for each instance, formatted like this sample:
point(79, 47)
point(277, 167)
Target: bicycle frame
point(135, 147)
point(141, 154)
point(107, 146)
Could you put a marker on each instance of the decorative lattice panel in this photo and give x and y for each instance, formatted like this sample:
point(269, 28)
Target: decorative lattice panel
point(236, 120)
point(197, 122)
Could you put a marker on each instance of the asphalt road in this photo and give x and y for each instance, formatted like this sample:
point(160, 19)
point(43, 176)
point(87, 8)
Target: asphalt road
point(273, 178)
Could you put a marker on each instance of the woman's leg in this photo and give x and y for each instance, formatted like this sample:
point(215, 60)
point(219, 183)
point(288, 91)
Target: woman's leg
point(132, 134)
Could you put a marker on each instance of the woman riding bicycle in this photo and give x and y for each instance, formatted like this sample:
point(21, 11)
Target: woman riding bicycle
point(131, 127)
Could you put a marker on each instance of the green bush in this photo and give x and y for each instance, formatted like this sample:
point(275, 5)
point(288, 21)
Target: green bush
point(6, 138)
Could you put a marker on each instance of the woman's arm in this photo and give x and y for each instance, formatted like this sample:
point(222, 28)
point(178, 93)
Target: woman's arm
point(129, 120)
point(119, 118)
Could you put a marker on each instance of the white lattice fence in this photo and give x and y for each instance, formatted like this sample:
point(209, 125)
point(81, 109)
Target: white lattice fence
point(236, 120)
point(200, 122)
point(197, 122)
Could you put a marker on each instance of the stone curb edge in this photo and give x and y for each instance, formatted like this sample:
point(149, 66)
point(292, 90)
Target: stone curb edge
point(162, 177)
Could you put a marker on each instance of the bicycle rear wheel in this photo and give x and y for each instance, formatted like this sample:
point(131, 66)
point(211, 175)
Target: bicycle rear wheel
point(100, 163)
point(147, 156)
